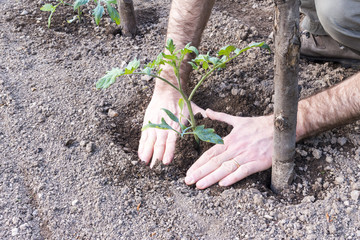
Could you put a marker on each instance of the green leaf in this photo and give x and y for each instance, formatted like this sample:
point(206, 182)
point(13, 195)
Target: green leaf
point(98, 13)
point(194, 50)
point(214, 60)
point(79, 3)
point(112, 1)
point(170, 57)
point(189, 49)
point(170, 45)
point(114, 15)
point(201, 58)
point(226, 50)
point(48, 8)
point(265, 46)
point(132, 66)
point(261, 45)
point(181, 104)
point(109, 78)
point(207, 135)
point(171, 115)
point(147, 71)
point(163, 125)
point(194, 66)
point(159, 60)
point(205, 65)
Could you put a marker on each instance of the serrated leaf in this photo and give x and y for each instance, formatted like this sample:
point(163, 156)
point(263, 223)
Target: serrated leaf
point(181, 104)
point(171, 115)
point(205, 65)
point(194, 66)
point(201, 58)
point(109, 78)
point(261, 45)
point(226, 51)
point(79, 3)
point(170, 45)
point(98, 13)
point(170, 57)
point(147, 70)
point(214, 60)
point(114, 15)
point(194, 50)
point(132, 66)
point(163, 125)
point(207, 135)
point(159, 60)
point(48, 8)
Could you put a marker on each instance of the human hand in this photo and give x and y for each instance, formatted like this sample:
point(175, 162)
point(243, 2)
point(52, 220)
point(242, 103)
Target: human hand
point(157, 144)
point(246, 150)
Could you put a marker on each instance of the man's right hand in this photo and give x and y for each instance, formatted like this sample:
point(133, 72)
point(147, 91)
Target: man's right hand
point(157, 144)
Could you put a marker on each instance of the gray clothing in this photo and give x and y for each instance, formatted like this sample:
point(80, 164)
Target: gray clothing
point(338, 18)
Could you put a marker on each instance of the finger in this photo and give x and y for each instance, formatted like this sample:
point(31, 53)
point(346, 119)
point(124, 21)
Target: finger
point(143, 138)
point(225, 169)
point(159, 146)
point(208, 167)
point(170, 148)
point(243, 171)
point(148, 146)
point(198, 109)
point(220, 116)
point(212, 152)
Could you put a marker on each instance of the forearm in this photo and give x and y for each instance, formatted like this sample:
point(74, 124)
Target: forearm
point(334, 107)
point(187, 21)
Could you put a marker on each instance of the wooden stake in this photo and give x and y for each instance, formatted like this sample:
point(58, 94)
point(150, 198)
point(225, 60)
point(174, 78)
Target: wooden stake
point(127, 16)
point(287, 46)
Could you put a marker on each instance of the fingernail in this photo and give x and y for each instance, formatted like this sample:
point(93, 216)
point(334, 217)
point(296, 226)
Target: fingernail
point(223, 184)
point(200, 185)
point(166, 161)
point(189, 180)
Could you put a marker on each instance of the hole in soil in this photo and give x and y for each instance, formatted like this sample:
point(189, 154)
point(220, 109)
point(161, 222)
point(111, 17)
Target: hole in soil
point(146, 16)
point(125, 133)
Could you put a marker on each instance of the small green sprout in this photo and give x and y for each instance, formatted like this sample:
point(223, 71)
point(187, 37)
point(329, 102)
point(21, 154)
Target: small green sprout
point(98, 11)
point(175, 58)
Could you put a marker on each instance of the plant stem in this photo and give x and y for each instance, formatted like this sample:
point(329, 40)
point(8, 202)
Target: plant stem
point(162, 79)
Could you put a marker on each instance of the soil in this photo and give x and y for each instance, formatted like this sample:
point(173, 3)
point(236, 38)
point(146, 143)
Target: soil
point(69, 169)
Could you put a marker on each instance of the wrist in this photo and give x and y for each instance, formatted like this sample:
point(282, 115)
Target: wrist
point(300, 125)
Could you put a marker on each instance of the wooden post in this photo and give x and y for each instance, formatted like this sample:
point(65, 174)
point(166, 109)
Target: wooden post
point(287, 46)
point(127, 16)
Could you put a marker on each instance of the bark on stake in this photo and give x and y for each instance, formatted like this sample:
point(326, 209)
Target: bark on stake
point(287, 45)
point(127, 16)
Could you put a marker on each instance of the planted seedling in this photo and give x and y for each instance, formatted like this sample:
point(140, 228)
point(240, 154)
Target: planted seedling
point(174, 58)
point(98, 11)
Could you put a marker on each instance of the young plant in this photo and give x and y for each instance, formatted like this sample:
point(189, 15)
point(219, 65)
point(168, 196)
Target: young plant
point(50, 8)
point(174, 58)
point(98, 11)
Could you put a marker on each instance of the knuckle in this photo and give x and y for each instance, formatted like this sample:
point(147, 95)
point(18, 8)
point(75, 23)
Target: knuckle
point(246, 170)
point(228, 166)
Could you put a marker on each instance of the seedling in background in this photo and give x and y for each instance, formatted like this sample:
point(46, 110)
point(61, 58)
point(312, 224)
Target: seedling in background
point(174, 58)
point(98, 11)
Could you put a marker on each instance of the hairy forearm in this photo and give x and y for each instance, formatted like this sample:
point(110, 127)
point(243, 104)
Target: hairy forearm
point(334, 107)
point(187, 21)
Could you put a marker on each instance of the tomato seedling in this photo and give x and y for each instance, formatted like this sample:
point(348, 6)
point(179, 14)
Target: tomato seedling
point(174, 58)
point(98, 11)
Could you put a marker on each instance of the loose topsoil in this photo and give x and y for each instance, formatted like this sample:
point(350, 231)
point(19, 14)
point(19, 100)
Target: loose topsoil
point(68, 163)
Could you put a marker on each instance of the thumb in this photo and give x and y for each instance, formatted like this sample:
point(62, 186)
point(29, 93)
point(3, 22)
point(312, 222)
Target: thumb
point(198, 109)
point(229, 119)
